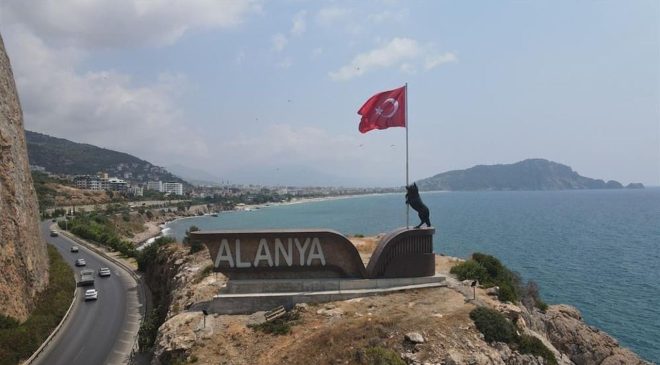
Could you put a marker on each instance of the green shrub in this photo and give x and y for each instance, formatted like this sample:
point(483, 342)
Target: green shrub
point(278, 326)
point(7, 322)
point(195, 246)
point(493, 325)
point(19, 341)
point(146, 257)
point(531, 297)
point(489, 271)
point(533, 346)
point(470, 270)
point(378, 355)
point(148, 331)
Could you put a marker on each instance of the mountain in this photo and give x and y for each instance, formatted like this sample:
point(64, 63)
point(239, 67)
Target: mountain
point(531, 174)
point(61, 156)
point(193, 175)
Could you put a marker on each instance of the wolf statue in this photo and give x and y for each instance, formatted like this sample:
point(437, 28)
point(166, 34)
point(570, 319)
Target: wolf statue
point(415, 201)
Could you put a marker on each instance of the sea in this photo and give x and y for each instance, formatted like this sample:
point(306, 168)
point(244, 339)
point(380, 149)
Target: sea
point(598, 250)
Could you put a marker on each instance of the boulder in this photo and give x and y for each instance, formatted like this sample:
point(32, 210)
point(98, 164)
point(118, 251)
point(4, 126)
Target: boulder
point(582, 343)
point(414, 337)
point(493, 291)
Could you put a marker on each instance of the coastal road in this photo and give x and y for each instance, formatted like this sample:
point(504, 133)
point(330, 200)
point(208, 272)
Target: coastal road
point(96, 332)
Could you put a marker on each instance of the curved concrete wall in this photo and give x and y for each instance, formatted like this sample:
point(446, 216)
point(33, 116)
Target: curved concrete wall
point(317, 253)
point(277, 254)
point(403, 253)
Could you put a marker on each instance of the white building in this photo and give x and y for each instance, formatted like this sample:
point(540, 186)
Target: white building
point(136, 190)
point(100, 184)
point(155, 185)
point(173, 188)
point(116, 184)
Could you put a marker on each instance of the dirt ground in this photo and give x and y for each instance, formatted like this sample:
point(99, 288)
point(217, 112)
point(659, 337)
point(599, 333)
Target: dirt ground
point(336, 333)
point(340, 332)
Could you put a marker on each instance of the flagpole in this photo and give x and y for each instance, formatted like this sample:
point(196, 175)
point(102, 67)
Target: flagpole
point(407, 182)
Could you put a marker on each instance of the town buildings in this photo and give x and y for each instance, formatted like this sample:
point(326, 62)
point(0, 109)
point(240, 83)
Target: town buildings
point(173, 188)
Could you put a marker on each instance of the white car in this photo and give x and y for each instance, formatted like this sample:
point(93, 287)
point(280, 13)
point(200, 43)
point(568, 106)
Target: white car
point(104, 271)
point(91, 294)
point(81, 262)
point(74, 249)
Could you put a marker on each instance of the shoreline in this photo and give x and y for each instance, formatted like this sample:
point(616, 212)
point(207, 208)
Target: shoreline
point(156, 228)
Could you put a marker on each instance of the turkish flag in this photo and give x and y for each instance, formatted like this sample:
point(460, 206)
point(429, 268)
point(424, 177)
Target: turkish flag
point(384, 110)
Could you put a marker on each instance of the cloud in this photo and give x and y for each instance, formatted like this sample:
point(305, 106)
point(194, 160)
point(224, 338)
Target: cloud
point(299, 25)
point(123, 23)
point(333, 15)
point(388, 16)
point(279, 41)
point(434, 61)
point(286, 62)
point(399, 52)
point(104, 108)
point(349, 158)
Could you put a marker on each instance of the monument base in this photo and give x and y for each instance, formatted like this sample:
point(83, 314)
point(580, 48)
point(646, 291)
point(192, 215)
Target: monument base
point(249, 296)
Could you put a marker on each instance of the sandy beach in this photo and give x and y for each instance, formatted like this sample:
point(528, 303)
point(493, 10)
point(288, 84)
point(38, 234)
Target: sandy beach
point(155, 227)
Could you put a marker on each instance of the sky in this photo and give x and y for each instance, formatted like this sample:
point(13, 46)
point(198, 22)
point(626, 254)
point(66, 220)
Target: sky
point(267, 92)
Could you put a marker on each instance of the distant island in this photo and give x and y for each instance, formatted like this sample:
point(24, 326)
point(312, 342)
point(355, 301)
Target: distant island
point(530, 174)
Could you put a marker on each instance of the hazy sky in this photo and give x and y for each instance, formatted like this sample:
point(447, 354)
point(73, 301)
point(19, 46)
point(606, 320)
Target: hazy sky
point(267, 91)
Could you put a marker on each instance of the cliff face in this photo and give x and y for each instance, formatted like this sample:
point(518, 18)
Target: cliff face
point(23, 255)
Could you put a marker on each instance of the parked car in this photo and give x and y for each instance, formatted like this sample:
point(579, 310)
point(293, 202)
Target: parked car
point(74, 249)
point(53, 233)
point(104, 271)
point(81, 262)
point(91, 294)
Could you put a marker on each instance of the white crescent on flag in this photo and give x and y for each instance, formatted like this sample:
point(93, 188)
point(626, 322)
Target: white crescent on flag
point(395, 107)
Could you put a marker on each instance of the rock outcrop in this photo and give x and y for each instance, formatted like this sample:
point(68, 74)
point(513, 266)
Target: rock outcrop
point(23, 255)
point(562, 325)
point(430, 326)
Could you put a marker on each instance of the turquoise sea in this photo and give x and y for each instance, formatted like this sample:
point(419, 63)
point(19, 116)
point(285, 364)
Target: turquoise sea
point(598, 250)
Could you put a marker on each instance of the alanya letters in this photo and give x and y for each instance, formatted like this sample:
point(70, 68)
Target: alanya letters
point(274, 253)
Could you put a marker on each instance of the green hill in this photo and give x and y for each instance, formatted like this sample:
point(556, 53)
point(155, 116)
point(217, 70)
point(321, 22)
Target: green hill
point(531, 174)
point(61, 156)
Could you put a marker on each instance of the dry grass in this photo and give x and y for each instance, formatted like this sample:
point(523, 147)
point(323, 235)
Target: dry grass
point(440, 314)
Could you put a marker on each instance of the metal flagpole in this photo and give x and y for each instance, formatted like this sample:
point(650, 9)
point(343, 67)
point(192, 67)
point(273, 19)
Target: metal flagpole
point(407, 183)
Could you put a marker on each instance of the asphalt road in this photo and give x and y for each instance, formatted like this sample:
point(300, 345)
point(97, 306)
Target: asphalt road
point(100, 331)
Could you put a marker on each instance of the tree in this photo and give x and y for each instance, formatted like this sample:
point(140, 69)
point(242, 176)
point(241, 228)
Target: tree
point(195, 245)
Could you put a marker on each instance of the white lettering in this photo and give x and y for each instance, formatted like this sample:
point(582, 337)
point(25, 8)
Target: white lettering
point(263, 253)
point(239, 263)
point(224, 254)
point(287, 254)
point(301, 251)
point(316, 253)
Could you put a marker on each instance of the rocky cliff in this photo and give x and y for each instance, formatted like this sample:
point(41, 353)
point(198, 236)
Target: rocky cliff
point(429, 326)
point(23, 255)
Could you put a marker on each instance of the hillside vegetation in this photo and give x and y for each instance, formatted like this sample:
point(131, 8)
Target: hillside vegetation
point(19, 340)
point(531, 174)
point(61, 156)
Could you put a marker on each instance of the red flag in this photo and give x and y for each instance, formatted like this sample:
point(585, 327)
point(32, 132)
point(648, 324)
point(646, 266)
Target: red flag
point(384, 110)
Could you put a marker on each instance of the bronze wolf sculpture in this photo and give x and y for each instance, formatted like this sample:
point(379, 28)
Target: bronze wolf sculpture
point(415, 201)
